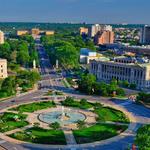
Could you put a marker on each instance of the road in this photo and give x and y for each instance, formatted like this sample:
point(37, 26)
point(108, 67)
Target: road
point(52, 80)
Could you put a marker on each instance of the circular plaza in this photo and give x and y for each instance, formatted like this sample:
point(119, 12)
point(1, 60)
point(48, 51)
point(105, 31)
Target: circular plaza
point(67, 122)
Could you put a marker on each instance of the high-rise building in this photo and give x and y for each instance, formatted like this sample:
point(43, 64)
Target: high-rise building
point(1, 37)
point(107, 28)
point(134, 70)
point(94, 30)
point(145, 35)
point(3, 68)
point(104, 37)
point(83, 31)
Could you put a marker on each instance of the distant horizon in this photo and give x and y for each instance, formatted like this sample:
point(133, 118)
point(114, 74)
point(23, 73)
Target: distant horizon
point(90, 11)
point(73, 23)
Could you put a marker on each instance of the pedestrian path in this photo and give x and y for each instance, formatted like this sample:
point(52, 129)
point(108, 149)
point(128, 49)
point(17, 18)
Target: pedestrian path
point(18, 129)
point(69, 137)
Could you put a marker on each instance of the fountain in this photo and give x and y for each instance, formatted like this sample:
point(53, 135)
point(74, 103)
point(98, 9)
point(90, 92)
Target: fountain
point(63, 116)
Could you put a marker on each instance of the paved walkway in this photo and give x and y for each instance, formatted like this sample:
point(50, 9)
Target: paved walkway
point(69, 137)
point(18, 129)
point(138, 115)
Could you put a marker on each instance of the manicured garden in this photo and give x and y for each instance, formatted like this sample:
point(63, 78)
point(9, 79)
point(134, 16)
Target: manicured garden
point(41, 136)
point(104, 113)
point(34, 106)
point(97, 132)
point(11, 121)
point(54, 135)
point(110, 114)
point(82, 104)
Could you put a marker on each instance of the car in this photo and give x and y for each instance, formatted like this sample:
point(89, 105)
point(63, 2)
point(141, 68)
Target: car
point(12, 101)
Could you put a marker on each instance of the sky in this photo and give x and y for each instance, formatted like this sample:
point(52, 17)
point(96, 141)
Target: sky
point(76, 11)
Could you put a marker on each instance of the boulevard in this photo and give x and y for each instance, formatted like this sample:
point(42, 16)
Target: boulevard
point(52, 80)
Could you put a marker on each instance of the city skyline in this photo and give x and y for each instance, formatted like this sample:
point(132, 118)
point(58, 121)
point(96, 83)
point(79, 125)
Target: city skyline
point(96, 11)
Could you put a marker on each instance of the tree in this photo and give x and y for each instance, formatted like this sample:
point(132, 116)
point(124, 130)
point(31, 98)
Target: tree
point(9, 86)
point(83, 102)
point(13, 56)
point(90, 44)
point(23, 53)
point(22, 57)
point(97, 105)
point(120, 92)
point(68, 101)
point(5, 51)
point(36, 124)
point(112, 87)
point(86, 83)
point(97, 88)
point(34, 76)
point(144, 97)
point(55, 125)
point(125, 84)
point(143, 138)
point(133, 86)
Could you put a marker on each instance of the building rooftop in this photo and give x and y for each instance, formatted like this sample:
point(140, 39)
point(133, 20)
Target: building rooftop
point(87, 52)
point(139, 61)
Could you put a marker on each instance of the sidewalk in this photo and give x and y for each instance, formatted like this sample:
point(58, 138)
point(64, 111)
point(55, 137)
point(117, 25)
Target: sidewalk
point(69, 137)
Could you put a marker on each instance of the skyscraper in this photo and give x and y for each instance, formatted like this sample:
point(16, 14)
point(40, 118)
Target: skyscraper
point(145, 35)
point(104, 37)
point(107, 28)
point(1, 37)
point(94, 30)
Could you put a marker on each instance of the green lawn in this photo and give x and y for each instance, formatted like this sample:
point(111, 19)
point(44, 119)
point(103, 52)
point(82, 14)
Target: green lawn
point(41, 136)
point(97, 132)
point(65, 83)
point(11, 121)
point(34, 106)
point(110, 114)
point(77, 104)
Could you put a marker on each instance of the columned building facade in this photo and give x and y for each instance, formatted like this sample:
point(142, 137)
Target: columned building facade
point(123, 71)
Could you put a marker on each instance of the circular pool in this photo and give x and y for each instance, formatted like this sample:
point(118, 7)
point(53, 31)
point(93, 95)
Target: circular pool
point(66, 117)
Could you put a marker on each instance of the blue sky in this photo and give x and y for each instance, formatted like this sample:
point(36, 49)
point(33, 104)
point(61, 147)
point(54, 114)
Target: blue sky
point(90, 11)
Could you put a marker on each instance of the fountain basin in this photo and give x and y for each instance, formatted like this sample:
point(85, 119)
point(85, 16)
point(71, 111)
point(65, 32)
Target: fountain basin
point(56, 116)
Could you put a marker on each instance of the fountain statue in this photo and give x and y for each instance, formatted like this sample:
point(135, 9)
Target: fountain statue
point(64, 116)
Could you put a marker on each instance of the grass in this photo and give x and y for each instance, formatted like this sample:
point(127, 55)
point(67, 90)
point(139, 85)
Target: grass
point(97, 132)
point(66, 84)
point(110, 114)
point(51, 93)
point(142, 139)
point(41, 136)
point(11, 121)
point(34, 106)
point(78, 104)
